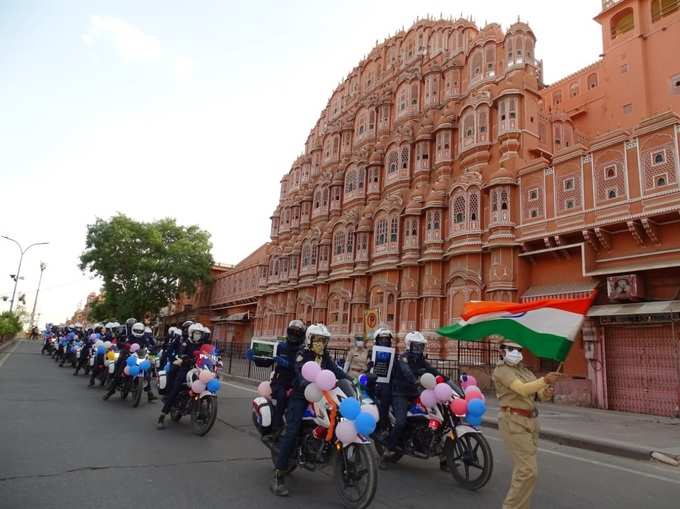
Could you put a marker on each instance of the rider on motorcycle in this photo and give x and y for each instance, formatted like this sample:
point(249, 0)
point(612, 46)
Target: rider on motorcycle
point(404, 385)
point(123, 333)
point(381, 392)
point(317, 338)
point(85, 353)
point(183, 362)
point(284, 371)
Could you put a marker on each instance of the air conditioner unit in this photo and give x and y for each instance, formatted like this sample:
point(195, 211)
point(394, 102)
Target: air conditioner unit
point(625, 287)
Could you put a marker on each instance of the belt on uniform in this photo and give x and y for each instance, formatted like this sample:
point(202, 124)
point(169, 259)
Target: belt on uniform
point(521, 411)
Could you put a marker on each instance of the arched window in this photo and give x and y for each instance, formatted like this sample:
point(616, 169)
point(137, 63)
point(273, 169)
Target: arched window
point(317, 199)
point(392, 162)
point(476, 66)
point(592, 80)
point(490, 61)
point(482, 124)
point(404, 157)
point(306, 254)
point(622, 22)
point(468, 131)
point(339, 242)
point(459, 210)
point(324, 197)
point(394, 230)
point(349, 181)
point(381, 232)
point(474, 208)
point(360, 177)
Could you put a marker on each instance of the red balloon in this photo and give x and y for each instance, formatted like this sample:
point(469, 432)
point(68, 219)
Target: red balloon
point(440, 379)
point(458, 407)
point(470, 395)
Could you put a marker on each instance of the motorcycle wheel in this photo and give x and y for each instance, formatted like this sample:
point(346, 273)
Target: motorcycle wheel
point(137, 390)
point(356, 476)
point(203, 415)
point(470, 460)
point(125, 389)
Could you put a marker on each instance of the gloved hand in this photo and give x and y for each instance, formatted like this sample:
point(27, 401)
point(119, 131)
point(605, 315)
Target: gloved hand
point(281, 361)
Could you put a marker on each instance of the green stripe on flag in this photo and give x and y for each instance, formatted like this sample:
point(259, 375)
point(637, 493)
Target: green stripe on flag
point(547, 346)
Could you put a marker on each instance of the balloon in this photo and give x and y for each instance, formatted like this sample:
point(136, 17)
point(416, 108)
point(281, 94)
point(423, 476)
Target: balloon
point(133, 370)
point(131, 361)
point(264, 389)
point(443, 392)
point(472, 395)
point(126, 370)
point(198, 387)
point(471, 388)
point(365, 423)
point(310, 370)
point(101, 349)
point(440, 379)
point(205, 376)
point(467, 380)
point(474, 420)
point(214, 385)
point(371, 409)
point(325, 380)
point(350, 408)
point(134, 347)
point(313, 394)
point(428, 381)
point(98, 343)
point(363, 380)
point(476, 408)
point(459, 407)
point(346, 432)
point(428, 398)
point(107, 344)
point(145, 365)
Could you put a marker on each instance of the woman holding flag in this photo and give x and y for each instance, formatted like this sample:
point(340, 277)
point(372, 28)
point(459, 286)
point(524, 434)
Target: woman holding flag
point(547, 328)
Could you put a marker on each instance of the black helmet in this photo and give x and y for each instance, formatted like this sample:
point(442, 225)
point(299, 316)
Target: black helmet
point(295, 332)
point(128, 327)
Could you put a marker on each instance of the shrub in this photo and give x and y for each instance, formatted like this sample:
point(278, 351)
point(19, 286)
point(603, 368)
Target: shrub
point(10, 325)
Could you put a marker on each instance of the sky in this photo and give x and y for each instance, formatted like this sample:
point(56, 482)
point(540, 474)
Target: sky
point(188, 109)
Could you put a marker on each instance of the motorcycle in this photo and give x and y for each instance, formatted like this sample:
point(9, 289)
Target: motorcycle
point(50, 346)
point(436, 432)
point(196, 400)
point(355, 465)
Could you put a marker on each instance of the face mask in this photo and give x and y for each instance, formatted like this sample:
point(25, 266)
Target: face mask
point(359, 344)
point(513, 357)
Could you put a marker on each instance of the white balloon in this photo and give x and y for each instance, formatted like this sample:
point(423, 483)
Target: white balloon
point(313, 393)
point(428, 381)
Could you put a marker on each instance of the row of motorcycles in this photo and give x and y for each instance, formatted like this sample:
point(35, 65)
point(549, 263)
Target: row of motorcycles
point(434, 431)
point(124, 367)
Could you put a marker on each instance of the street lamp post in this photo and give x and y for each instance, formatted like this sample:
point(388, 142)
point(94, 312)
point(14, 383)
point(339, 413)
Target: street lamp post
point(21, 259)
point(35, 302)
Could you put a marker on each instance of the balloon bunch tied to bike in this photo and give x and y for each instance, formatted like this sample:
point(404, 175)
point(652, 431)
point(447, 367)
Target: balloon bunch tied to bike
point(312, 413)
point(127, 360)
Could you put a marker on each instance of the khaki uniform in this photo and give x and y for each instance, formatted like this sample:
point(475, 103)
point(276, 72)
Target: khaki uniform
point(356, 362)
point(519, 433)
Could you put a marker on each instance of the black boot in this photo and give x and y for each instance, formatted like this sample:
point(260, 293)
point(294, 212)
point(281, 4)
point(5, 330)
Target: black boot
point(278, 485)
point(161, 422)
point(151, 397)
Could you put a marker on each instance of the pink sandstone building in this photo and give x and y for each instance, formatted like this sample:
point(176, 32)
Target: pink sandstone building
point(444, 170)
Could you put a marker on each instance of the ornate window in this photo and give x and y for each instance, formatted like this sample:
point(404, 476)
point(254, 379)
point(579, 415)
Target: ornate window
point(306, 255)
point(476, 66)
point(482, 124)
point(405, 153)
point(592, 80)
point(473, 198)
point(507, 114)
point(468, 131)
point(622, 22)
point(350, 243)
point(459, 211)
point(490, 61)
point(381, 232)
point(443, 145)
point(339, 242)
point(392, 163)
point(433, 220)
point(500, 206)
point(394, 230)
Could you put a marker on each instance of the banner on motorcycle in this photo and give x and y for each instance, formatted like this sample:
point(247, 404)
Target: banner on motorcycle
point(383, 361)
point(263, 349)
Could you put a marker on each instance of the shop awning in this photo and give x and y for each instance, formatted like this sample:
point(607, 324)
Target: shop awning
point(559, 291)
point(636, 308)
point(235, 317)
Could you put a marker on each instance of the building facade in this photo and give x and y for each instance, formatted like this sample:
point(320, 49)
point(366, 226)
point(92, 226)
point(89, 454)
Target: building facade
point(444, 170)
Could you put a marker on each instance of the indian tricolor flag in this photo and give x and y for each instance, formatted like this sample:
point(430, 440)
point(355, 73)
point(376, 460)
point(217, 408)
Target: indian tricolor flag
point(547, 328)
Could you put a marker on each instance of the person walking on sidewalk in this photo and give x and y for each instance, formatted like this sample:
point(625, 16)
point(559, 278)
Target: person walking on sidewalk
point(517, 389)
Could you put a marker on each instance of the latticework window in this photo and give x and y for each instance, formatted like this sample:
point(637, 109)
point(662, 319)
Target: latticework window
point(474, 209)
point(568, 193)
point(392, 162)
point(459, 210)
point(394, 229)
point(405, 152)
point(658, 165)
point(339, 242)
point(381, 232)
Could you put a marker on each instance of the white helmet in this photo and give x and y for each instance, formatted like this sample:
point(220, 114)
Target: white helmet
point(195, 332)
point(317, 334)
point(174, 332)
point(138, 330)
point(206, 330)
point(383, 336)
point(109, 325)
point(415, 342)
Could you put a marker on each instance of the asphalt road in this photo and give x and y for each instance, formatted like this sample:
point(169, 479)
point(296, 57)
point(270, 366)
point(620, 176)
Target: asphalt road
point(62, 446)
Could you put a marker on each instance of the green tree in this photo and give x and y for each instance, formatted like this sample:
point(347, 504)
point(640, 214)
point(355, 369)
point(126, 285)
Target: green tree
point(10, 325)
point(144, 265)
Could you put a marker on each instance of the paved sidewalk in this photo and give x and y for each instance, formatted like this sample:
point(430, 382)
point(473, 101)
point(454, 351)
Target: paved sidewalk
point(623, 434)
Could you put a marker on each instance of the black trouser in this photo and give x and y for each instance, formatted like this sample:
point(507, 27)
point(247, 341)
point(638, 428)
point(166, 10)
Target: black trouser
point(97, 369)
point(383, 397)
point(294, 415)
point(82, 362)
point(280, 394)
point(400, 406)
point(45, 348)
point(118, 371)
point(177, 385)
